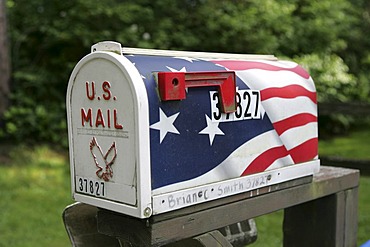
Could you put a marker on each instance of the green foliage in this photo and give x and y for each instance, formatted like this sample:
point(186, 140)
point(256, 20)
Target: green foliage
point(49, 37)
point(333, 83)
point(321, 26)
point(331, 75)
point(244, 26)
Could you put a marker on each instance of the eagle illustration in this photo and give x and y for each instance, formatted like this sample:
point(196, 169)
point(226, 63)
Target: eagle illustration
point(100, 158)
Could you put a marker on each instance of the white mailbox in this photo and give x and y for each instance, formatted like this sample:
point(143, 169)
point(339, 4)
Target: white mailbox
point(151, 131)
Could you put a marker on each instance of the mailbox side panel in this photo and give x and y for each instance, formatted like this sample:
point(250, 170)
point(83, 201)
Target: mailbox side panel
point(107, 111)
point(193, 144)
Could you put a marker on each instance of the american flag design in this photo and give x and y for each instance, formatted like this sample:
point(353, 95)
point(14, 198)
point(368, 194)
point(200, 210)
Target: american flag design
point(189, 148)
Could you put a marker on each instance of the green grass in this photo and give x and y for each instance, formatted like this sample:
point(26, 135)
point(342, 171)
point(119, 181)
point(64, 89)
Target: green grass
point(355, 145)
point(364, 211)
point(269, 230)
point(34, 189)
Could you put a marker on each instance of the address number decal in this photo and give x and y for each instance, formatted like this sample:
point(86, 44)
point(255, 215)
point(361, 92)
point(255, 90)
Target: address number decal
point(248, 106)
point(90, 187)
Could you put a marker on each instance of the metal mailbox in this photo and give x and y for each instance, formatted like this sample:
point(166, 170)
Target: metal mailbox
point(151, 131)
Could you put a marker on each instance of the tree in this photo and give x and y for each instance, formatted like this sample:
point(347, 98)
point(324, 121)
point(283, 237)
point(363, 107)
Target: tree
point(4, 61)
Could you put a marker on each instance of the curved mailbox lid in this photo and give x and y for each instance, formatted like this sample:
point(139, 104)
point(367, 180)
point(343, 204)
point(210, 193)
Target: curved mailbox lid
point(107, 111)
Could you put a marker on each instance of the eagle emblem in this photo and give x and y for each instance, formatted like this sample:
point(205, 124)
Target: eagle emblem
point(102, 159)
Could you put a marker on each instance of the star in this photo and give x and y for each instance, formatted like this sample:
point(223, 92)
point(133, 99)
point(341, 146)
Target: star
point(183, 69)
point(189, 59)
point(165, 124)
point(212, 130)
point(219, 65)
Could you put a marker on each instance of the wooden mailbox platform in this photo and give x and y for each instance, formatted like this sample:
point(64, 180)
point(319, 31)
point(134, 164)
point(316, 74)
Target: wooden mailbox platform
point(318, 211)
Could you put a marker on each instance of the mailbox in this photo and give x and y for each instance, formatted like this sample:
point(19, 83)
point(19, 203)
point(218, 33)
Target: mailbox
point(151, 131)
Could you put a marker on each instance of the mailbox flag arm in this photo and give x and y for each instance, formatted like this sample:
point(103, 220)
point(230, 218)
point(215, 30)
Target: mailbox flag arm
point(172, 86)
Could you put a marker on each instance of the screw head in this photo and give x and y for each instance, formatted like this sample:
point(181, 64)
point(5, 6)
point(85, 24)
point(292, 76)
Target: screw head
point(147, 212)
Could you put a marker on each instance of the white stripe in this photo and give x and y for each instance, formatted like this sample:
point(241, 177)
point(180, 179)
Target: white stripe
point(281, 162)
point(234, 165)
point(279, 109)
point(192, 54)
point(261, 79)
point(284, 64)
point(298, 135)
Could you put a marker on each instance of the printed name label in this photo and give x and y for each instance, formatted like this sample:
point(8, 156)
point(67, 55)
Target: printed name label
point(164, 202)
point(173, 201)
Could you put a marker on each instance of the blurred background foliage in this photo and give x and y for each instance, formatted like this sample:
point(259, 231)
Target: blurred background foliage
point(48, 37)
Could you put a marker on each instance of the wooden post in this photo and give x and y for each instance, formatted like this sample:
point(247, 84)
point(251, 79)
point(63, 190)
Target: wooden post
point(328, 221)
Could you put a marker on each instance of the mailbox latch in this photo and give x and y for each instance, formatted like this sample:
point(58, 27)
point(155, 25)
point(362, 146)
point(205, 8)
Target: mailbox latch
point(172, 86)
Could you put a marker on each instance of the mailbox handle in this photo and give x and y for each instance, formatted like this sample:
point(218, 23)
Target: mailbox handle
point(172, 86)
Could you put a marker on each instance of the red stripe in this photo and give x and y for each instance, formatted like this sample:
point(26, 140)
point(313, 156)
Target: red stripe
point(246, 65)
point(294, 121)
point(288, 92)
point(264, 160)
point(305, 152)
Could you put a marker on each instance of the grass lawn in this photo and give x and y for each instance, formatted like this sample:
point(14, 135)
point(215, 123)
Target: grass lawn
point(355, 145)
point(35, 188)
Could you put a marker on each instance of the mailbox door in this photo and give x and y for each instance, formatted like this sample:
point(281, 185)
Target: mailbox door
point(109, 134)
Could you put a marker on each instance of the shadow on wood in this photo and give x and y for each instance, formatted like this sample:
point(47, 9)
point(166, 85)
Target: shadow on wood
point(80, 223)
